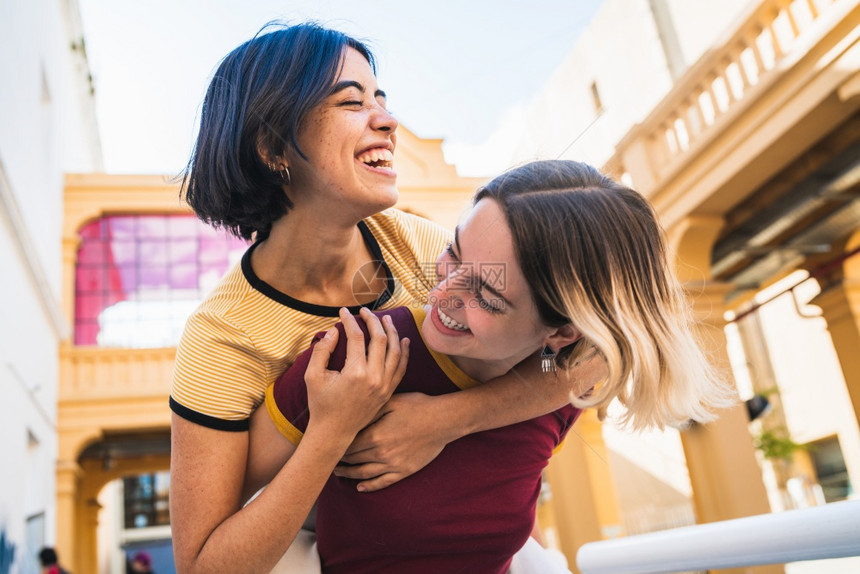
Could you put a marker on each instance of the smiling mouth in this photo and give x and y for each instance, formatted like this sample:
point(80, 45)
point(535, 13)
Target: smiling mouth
point(449, 322)
point(378, 157)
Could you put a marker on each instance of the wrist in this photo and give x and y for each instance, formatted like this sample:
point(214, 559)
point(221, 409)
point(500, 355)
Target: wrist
point(454, 416)
point(326, 439)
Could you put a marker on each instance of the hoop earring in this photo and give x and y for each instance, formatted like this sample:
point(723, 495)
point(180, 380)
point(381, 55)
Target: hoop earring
point(284, 172)
point(547, 360)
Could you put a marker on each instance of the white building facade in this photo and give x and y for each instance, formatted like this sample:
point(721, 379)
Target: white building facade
point(623, 63)
point(47, 128)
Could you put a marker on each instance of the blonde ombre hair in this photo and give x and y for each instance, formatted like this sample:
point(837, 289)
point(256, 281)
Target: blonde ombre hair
point(594, 255)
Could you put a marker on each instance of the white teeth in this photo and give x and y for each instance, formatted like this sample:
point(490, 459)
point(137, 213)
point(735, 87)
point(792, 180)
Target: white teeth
point(377, 155)
point(449, 322)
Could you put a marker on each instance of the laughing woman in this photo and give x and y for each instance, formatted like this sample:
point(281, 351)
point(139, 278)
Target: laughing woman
point(553, 258)
point(295, 152)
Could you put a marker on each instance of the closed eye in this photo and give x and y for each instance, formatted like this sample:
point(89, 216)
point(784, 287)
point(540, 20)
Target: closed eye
point(493, 305)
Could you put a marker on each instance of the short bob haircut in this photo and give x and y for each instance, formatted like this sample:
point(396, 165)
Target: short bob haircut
point(257, 101)
point(595, 257)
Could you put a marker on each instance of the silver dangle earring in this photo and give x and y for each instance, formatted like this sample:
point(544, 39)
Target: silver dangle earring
point(547, 360)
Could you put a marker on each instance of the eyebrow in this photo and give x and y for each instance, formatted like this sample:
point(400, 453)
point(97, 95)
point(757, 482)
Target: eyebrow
point(340, 86)
point(480, 280)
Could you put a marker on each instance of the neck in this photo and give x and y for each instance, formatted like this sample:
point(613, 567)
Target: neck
point(304, 255)
point(482, 370)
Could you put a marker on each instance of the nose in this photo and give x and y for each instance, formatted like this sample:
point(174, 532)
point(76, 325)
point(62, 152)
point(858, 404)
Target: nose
point(383, 120)
point(449, 292)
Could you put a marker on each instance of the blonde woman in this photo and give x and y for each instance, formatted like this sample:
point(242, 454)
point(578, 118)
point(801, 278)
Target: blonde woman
point(554, 258)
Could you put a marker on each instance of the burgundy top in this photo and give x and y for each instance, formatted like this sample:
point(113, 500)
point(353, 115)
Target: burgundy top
point(470, 510)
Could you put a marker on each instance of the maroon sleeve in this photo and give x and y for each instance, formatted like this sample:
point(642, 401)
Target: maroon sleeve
point(291, 393)
point(568, 415)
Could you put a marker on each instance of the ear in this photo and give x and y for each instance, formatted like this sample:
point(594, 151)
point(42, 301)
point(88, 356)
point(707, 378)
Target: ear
point(562, 337)
point(263, 150)
point(278, 162)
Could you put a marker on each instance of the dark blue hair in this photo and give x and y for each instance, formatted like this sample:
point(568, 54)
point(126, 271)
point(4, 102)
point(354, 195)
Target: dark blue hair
point(257, 101)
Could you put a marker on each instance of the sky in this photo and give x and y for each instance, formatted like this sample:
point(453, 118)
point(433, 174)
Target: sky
point(451, 68)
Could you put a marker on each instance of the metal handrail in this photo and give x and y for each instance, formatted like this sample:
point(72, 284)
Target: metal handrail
point(821, 532)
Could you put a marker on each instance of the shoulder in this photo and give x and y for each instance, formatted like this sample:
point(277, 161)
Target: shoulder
point(410, 244)
point(407, 320)
point(411, 229)
point(219, 373)
point(207, 327)
point(218, 318)
point(226, 326)
point(565, 417)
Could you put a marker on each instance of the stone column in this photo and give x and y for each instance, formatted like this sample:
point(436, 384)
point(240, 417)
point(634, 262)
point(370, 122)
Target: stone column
point(724, 472)
point(87, 536)
point(68, 480)
point(840, 307)
point(94, 477)
point(584, 503)
point(70, 259)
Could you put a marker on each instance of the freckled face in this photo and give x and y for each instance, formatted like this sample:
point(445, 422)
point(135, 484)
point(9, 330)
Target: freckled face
point(349, 140)
point(482, 312)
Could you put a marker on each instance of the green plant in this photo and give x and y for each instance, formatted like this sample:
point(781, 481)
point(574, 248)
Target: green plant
point(775, 444)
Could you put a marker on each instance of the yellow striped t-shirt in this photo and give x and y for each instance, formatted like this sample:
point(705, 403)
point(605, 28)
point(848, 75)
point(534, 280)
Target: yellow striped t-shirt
point(246, 333)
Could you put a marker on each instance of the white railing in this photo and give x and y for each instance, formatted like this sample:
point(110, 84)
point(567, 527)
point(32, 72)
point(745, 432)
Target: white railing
point(768, 39)
point(829, 531)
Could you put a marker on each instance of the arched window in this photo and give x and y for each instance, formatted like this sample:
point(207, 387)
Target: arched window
point(138, 277)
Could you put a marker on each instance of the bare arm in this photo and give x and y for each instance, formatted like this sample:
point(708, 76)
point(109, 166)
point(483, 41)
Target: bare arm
point(520, 395)
point(268, 451)
point(414, 428)
point(212, 531)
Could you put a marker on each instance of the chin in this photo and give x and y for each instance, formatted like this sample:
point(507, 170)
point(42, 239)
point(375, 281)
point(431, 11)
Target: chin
point(373, 206)
point(387, 201)
point(432, 337)
point(392, 195)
